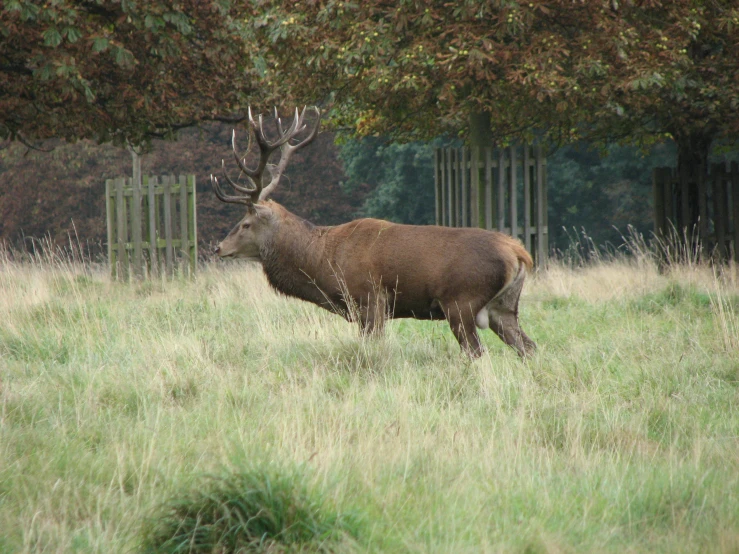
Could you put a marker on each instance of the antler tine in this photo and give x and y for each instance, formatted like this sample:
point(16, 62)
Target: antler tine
point(288, 149)
point(258, 130)
point(241, 188)
point(279, 122)
point(314, 131)
point(261, 127)
point(223, 197)
point(257, 191)
point(290, 133)
point(299, 116)
point(252, 174)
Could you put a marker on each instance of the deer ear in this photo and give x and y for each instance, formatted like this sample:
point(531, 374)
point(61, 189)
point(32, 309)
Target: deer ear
point(261, 211)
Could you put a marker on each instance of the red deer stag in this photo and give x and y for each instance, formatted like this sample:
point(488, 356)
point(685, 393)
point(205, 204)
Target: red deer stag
point(372, 269)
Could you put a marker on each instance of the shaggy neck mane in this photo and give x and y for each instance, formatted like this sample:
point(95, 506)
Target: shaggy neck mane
point(292, 259)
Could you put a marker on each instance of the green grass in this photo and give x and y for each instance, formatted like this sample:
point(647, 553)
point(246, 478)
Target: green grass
point(141, 416)
point(260, 510)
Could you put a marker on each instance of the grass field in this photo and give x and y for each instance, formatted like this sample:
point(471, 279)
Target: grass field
point(213, 415)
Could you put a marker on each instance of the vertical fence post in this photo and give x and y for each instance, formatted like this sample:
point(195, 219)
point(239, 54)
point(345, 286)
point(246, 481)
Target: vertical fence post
point(513, 198)
point(457, 189)
point(489, 191)
point(122, 234)
point(454, 189)
point(184, 233)
point(475, 197)
point(735, 204)
point(438, 188)
point(153, 246)
point(169, 250)
point(136, 215)
point(444, 189)
point(542, 242)
point(464, 196)
point(110, 217)
point(501, 189)
point(545, 209)
point(526, 198)
point(193, 217)
point(449, 188)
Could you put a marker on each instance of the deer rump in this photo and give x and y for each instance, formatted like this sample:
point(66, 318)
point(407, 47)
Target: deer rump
point(369, 270)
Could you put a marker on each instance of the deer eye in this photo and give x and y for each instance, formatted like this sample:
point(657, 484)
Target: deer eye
point(245, 225)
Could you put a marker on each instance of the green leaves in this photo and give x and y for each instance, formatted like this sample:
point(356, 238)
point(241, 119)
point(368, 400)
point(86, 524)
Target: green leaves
point(124, 71)
point(549, 65)
point(72, 33)
point(52, 37)
point(100, 44)
point(123, 57)
point(179, 20)
point(153, 22)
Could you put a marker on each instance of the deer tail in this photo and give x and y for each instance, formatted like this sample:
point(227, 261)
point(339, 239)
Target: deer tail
point(522, 255)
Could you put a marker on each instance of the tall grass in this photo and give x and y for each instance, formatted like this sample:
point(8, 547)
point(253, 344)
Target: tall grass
point(118, 400)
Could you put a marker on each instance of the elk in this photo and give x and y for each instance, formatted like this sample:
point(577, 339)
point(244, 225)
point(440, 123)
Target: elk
point(369, 269)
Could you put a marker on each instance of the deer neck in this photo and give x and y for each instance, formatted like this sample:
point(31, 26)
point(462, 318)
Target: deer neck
point(294, 258)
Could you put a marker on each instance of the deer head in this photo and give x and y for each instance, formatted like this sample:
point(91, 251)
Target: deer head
point(260, 221)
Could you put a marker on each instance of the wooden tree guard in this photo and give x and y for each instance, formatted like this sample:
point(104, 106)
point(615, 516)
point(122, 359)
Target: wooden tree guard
point(481, 187)
point(712, 200)
point(152, 227)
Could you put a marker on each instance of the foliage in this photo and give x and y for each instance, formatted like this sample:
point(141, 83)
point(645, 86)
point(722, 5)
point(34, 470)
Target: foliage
point(121, 71)
point(603, 69)
point(601, 194)
point(400, 177)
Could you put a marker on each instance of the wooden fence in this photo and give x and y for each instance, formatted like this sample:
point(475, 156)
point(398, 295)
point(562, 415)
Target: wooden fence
point(503, 189)
point(152, 227)
point(712, 201)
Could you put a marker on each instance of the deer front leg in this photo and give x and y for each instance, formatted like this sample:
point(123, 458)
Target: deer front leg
point(372, 314)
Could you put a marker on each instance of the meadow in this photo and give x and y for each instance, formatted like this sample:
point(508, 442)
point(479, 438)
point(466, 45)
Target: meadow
point(212, 415)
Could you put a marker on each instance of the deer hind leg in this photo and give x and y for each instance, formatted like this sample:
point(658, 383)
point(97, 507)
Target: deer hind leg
point(461, 318)
point(501, 315)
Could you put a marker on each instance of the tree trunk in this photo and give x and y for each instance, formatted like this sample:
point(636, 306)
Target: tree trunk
point(480, 138)
point(480, 135)
point(690, 213)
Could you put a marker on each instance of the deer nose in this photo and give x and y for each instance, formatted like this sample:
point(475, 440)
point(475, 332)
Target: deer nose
point(218, 250)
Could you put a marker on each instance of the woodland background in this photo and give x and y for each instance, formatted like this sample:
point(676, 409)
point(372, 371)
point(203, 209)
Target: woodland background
point(59, 193)
point(649, 83)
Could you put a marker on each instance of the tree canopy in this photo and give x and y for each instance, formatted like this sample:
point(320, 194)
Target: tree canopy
point(121, 71)
point(639, 70)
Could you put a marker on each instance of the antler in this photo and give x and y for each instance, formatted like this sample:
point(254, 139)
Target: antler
point(256, 190)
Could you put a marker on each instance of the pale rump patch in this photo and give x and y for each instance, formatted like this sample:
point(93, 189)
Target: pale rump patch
point(482, 320)
point(502, 303)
